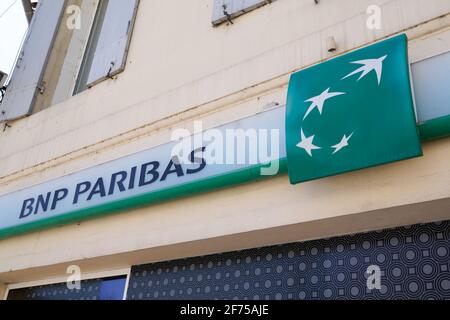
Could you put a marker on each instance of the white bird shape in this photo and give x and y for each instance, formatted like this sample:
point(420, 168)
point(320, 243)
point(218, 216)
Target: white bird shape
point(368, 66)
point(318, 101)
point(341, 145)
point(307, 144)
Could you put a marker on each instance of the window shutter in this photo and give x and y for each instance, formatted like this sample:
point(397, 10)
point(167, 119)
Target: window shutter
point(218, 11)
point(234, 8)
point(247, 5)
point(431, 78)
point(27, 76)
point(114, 39)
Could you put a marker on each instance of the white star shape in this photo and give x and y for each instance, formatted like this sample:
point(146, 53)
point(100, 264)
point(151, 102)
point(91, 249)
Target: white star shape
point(307, 144)
point(343, 144)
point(318, 101)
point(368, 66)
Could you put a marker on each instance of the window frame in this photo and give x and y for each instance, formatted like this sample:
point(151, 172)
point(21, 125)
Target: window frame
point(69, 60)
point(421, 49)
point(63, 279)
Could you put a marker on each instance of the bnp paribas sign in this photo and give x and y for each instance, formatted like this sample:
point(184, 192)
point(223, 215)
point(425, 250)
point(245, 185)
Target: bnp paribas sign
point(349, 113)
point(352, 112)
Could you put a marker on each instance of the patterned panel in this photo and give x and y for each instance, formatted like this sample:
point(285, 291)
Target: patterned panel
point(90, 290)
point(414, 263)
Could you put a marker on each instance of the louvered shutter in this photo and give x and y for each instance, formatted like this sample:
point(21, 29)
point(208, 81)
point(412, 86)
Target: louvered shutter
point(114, 39)
point(27, 76)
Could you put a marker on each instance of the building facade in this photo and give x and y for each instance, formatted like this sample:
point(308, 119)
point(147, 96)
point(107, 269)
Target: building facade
point(107, 81)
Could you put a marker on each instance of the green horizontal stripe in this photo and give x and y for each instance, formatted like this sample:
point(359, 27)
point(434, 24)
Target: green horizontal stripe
point(435, 129)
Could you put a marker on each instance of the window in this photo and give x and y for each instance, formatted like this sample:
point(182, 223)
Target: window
point(112, 288)
point(431, 78)
point(227, 10)
point(67, 53)
point(60, 58)
point(26, 78)
point(109, 42)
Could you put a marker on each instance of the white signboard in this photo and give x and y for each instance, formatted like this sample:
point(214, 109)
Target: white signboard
point(163, 171)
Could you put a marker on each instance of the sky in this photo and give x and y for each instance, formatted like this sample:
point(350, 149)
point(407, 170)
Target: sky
point(13, 26)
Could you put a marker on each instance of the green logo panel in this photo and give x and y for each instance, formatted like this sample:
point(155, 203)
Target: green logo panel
point(352, 112)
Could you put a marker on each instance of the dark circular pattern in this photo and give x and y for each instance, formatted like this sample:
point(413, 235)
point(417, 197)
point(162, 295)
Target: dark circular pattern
point(414, 287)
point(428, 269)
point(443, 283)
point(424, 239)
point(355, 290)
point(411, 255)
point(398, 272)
point(440, 251)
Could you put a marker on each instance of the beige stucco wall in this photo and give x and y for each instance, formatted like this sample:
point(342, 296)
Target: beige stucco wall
point(181, 69)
